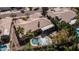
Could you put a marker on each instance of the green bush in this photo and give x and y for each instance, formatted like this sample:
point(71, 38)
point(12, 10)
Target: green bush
point(24, 18)
point(5, 38)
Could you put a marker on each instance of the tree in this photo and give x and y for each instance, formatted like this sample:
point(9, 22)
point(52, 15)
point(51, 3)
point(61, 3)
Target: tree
point(60, 37)
point(77, 11)
point(71, 48)
point(77, 22)
point(65, 33)
point(30, 34)
point(5, 38)
point(24, 18)
point(61, 25)
point(56, 22)
point(20, 30)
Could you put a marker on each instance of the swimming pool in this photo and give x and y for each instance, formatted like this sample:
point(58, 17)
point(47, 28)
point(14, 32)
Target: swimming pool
point(39, 42)
point(3, 47)
point(35, 41)
point(77, 31)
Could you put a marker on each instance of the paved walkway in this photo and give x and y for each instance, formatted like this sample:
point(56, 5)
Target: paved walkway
point(14, 38)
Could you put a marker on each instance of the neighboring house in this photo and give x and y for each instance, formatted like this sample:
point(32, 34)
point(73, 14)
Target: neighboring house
point(36, 15)
point(10, 13)
point(64, 14)
point(2, 9)
point(5, 25)
point(17, 13)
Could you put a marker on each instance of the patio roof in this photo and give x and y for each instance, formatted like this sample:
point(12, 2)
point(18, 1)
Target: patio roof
point(47, 27)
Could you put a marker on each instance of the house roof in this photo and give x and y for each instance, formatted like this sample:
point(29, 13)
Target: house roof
point(33, 24)
point(66, 14)
point(5, 25)
point(36, 15)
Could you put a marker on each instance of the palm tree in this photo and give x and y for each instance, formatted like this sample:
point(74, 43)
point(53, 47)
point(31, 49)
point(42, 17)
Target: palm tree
point(20, 30)
point(24, 18)
point(30, 34)
point(71, 48)
point(56, 22)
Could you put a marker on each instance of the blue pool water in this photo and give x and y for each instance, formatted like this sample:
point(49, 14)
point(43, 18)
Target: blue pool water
point(35, 41)
point(3, 47)
point(77, 31)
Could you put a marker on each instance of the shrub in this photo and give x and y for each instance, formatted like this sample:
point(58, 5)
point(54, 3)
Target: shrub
point(24, 18)
point(5, 38)
point(20, 30)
